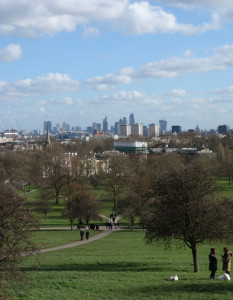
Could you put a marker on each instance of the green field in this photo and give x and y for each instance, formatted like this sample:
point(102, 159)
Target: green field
point(122, 266)
point(52, 238)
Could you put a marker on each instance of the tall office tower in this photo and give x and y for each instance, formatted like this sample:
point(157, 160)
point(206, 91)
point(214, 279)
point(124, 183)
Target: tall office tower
point(124, 121)
point(162, 127)
point(137, 129)
point(145, 131)
point(47, 126)
point(223, 129)
point(153, 130)
point(98, 126)
point(131, 119)
point(105, 125)
point(117, 128)
point(176, 128)
point(125, 130)
point(94, 128)
point(121, 122)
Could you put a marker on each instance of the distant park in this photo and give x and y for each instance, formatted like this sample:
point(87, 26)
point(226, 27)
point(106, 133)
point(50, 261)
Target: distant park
point(144, 221)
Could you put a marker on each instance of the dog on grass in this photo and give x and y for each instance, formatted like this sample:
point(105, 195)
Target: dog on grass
point(224, 277)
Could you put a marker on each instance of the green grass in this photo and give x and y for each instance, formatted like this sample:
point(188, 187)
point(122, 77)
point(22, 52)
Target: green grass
point(122, 266)
point(52, 238)
point(225, 188)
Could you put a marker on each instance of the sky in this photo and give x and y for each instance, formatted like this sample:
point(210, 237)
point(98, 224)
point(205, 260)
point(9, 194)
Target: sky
point(79, 61)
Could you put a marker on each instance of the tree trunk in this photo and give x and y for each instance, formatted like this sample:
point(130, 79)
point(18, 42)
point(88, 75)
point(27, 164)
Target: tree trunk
point(71, 224)
point(57, 197)
point(195, 258)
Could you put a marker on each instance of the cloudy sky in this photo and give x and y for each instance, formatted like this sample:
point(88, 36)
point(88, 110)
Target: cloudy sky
point(77, 61)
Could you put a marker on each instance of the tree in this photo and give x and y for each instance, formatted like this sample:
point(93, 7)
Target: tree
point(188, 208)
point(81, 204)
point(16, 224)
point(43, 205)
point(54, 170)
point(119, 166)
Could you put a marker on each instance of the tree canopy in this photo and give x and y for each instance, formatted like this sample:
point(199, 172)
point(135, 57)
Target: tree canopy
point(188, 208)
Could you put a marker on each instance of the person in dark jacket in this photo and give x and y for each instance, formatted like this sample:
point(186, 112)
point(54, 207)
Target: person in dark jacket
point(213, 262)
point(87, 234)
point(81, 234)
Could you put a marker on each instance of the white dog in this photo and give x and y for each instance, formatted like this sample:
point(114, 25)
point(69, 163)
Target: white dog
point(173, 277)
point(224, 277)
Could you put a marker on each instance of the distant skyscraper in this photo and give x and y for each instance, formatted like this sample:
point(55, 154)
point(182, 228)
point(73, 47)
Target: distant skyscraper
point(125, 130)
point(118, 128)
point(131, 119)
point(137, 129)
point(223, 129)
point(153, 130)
point(105, 125)
point(176, 128)
point(98, 126)
point(124, 121)
point(162, 127)
point(145, 131)
point(47, 126)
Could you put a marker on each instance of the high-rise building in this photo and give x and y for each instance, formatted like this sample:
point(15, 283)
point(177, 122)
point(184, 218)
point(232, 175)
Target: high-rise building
point(98, 126)
point(105, 125)
point(137, 129)
point(124, 121)
point(223, 129)
point(117, 128)
point(153, 130)
point(145, 131)
point(125, 130)
point(176, 129)
point(162, 127)
point(48, 126)
point(131, 119)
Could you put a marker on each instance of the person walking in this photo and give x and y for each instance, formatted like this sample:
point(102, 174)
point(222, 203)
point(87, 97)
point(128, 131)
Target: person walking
point(213, 262)
point(226, 259)
point(81, 234)
point(87, 234)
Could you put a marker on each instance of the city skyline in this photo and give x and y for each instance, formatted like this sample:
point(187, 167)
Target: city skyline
point(80, 61)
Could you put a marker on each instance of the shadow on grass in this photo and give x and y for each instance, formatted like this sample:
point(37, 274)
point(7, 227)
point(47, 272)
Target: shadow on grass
point(98, 267)
point(213, 287)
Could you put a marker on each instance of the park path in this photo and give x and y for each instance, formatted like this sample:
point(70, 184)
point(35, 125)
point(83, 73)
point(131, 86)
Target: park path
point(99, 236)
point(79, 243)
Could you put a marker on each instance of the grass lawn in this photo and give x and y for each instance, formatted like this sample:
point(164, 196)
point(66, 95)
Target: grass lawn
point(122, 266)
point(52, 238)
point(225, 188)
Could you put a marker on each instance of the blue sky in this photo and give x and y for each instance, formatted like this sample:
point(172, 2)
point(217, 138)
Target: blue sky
point(77, 61)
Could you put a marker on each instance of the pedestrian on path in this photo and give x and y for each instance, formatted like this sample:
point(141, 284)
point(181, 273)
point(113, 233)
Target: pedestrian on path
point(81, 234)
point(213, 262)
point(226, 259)
point(87, 234)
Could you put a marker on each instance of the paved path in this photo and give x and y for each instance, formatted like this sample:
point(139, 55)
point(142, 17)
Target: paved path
point(91, 239)
point(78, 243)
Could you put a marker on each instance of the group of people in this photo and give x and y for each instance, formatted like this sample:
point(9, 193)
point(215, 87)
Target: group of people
point(82, 234)
point(226, 260)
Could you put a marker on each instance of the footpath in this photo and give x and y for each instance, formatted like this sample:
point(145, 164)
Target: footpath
point(99, 236)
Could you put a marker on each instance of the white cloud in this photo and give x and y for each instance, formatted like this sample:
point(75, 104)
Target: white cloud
point(120, 98)
point(38, 17)
point(179, 93)
point(91, 32)
point(50, 84)
point(195, 3)
point(10, 52)
point(168, 68)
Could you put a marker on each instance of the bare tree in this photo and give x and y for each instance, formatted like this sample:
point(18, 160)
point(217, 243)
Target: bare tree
point(16, 224)
point(81, 204)
point(43, 204)
point(188, 208)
